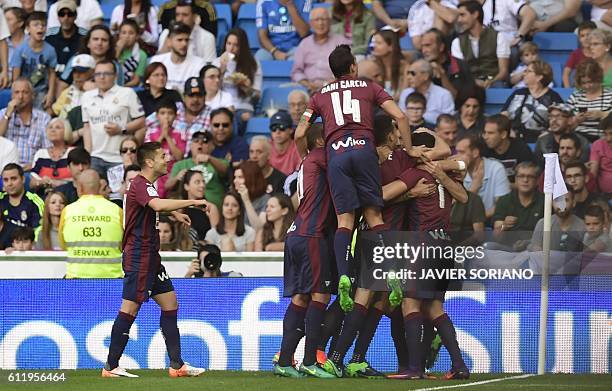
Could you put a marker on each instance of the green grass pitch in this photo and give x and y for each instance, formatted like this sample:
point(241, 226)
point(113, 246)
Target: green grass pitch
point(90, 380)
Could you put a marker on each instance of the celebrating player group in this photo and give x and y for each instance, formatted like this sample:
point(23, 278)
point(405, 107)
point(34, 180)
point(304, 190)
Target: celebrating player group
point(363, 162)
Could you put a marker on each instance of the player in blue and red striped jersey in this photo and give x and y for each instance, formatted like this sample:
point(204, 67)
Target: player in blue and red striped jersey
point(308, 263)
point(145, 276)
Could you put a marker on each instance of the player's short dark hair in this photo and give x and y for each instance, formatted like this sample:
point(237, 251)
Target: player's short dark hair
point(23, 233)
point(576, 164)
point(131, 167)
point(383, 125)
point(166, 103)
point(340, 60)
point(37, 16)
point(573, 137)
point(423, 138)
point(475, 140)
point(595, 210)
point(445, 118)
point(416, 97)
point(79, 156)
point(147, 151)
point(179, 28)
point(503, 123)
point(473, 6)
point(314, 133)
point(13, 166)
point(606, 123)
point(222, 110)
point(132, 23)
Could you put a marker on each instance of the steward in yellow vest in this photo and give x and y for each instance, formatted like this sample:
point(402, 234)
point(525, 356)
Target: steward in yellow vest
point(91, 230)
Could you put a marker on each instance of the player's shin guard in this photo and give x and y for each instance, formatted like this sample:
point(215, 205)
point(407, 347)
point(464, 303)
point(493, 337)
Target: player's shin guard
point(314, 325)
point(447, 332)
point(366, 333)
point(352, 322)
point(331, 325)
point(120, 335)
point(413, 326)
point(293, 331)
point(170, 331)
point(342, 250)
point(399, 339)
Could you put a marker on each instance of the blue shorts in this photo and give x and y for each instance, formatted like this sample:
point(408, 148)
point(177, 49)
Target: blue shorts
point(138, 286)
point(309, 266)
point(353, 175)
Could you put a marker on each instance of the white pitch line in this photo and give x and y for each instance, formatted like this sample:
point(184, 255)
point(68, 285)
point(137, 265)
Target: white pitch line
point(477, 383)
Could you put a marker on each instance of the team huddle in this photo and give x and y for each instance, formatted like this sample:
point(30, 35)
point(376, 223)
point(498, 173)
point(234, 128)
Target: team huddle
point(363, 164)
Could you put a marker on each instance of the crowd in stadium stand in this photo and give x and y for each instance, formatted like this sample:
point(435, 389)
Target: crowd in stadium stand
point(85, 83)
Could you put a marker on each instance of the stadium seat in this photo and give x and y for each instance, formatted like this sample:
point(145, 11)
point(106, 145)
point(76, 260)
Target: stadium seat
point(257, 126)
point(107, 9)
point(322, 5)
point(275, 98)
point(556, 47)
point(246, 21)
point(406, 42)
point(276, 73)
point(564, 92)
point(224, 23)
point(557, 69)
point(5, 97)
point(496, 97)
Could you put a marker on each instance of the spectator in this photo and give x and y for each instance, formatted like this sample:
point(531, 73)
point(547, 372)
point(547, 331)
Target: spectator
point(470, 104)
point(132, 58)
point(50, 167)
point(259, 152)
point(448, 72)
point(591, 101)
point(110, 112)
point(297, 101)
point(517, 213)
point(355, 22)
point(467, 221)
point(279, 217)
point(414, 109)
point(15, 20)
point(601, 157)
point(115, 175)
point(129, 173)
point(311, 65)
point(559, 123)
point(202, 43)
point(566, 231)
point(242, 75)
point(145, 15)
point(20, 207)
point(180, 65)
point(66, 38)
point(22, 240)
point(250, 184)
point(575, 175)
point(232, 233)
point(446, 129)
point(527, 107)
point(393, 13)
point(512, 19)
point(529, 53)
point(154, 91)
point(204, 8)
point(89, 15)
point(79, 160)
point(215, 96)
point(227, 145)
point(193, 187)
point(584, 29)
point(9, 152)
point(439, 100)
point(212, 168)
point(82, 71)
point(23, 124)
point(35, 60)
point(6, 230)
point(284, 155)
point(596, 238)
point(4, 58)
point(387, 51)
point(48, 238)
point(167, 234)
point(209, 264)
point(490, 67)
point(424, 15)
point(281, 25)
point(485, 177)
point(368, 70)
point(600, 46)
point(556, 15)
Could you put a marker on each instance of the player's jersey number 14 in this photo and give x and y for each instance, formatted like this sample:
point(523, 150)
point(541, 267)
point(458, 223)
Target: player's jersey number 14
point(347, 106)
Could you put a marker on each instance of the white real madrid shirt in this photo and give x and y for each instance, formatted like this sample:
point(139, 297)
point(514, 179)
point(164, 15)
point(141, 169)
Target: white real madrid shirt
point(119, 105)
point(505, 17)
point(178, 73)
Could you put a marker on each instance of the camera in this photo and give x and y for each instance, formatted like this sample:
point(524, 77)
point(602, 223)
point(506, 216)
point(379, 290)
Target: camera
point(212, 260)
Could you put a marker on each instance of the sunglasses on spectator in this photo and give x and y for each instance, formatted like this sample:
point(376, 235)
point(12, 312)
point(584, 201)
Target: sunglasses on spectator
point(71, 14)
point(126, 150)
point(221, 125)
point(55, 170)
point(278, 127)
point(200, 140)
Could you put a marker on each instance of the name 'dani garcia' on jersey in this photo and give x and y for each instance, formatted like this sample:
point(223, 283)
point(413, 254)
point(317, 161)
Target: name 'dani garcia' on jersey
point(344, 84)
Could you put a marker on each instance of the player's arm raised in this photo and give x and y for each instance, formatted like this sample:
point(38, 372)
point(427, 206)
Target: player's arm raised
point(300, 133)
point(165, 205)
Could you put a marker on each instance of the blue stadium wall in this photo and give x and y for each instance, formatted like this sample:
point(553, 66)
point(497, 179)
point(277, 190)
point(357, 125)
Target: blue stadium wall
point(237, 324)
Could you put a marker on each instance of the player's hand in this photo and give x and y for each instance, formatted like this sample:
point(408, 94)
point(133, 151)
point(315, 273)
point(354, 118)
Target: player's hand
point(112, 128)
point(182, 219)
point(418, 152)
point(434, 169)
point(423, 188)
point(202, 204)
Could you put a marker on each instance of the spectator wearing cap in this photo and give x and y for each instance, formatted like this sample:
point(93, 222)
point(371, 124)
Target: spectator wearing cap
point(180, 65)
point(559, 123)
point(281, 25)
point(311, 64)
point(259, 152)
point(89, 14)
point(154, 91)
point(201, 42)
point(284, 155)
point(67, 38)
point(228, 146)
point(82, 70)
point(79, 160)
point(110, 114)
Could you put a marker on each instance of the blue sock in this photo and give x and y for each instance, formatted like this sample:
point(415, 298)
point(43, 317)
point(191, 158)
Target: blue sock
point(413, 327)
point(447, 332)
point(352, 323)
point(120, 335)
point(293, 331)
point(170, 331)
point(314, 327)
point(342, 250)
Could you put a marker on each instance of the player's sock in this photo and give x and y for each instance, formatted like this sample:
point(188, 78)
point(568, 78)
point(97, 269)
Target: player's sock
point(314, 325)
point(352, 322)
point(293, 331)
point(120, 334)
point(332, 323)
point(447, 332)
point(170, 331)
point(366, 333)
point(399, 338)
point(428, 336)
point(342, 250)
point(413, 326)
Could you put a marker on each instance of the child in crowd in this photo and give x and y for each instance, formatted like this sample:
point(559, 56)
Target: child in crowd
point(22, 240)
point(578, 55)
point(529, 53)
point(36, 60)
point(595, 237)
point(416, 105)
point(132, 58)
